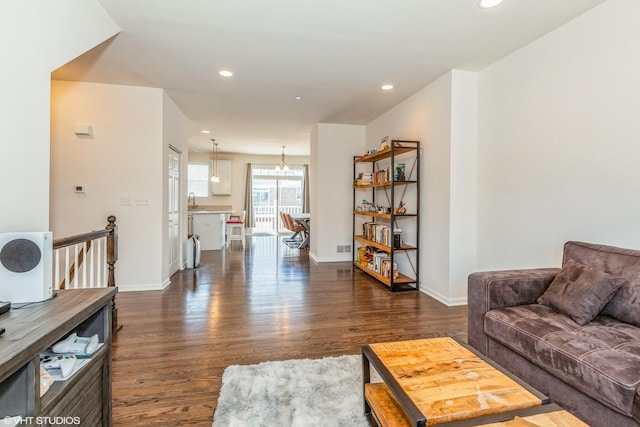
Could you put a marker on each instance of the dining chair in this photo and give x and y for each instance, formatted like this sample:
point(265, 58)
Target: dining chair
point(236, 229)
point(294, 227)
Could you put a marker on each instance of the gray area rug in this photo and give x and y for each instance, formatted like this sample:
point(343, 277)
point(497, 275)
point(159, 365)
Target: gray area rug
point(306, 392)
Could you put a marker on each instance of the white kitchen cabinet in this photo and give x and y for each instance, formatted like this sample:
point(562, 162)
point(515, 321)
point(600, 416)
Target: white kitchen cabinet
point(210, 227)
point(223, 170)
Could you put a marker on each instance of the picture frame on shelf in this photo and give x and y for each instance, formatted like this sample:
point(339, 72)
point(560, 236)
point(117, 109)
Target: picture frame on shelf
point(399, 172)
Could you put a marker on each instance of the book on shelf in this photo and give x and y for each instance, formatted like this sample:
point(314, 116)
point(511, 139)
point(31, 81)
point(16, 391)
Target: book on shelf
point(386, 269)
point(364, 178)
point(378, 259)
point(376, 232)
point(381, 176)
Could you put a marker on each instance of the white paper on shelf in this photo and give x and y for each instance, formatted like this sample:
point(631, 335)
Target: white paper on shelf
point(56, 373)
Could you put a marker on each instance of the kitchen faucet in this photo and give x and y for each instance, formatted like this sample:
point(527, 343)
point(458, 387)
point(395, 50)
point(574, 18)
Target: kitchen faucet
point(192, 194)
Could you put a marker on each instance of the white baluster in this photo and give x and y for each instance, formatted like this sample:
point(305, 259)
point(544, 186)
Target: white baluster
point(66, 268)
point(84, 265)
point(76, 262)
point(104, 264)
point(91, 264)
point(99, 259)
point(56, 283)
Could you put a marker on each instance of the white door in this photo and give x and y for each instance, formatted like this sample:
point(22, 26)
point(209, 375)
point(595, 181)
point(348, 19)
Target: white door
point(174, 210)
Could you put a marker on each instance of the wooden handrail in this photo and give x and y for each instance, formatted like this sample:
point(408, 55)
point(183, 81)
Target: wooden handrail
point(80, 238)
point(111, 233)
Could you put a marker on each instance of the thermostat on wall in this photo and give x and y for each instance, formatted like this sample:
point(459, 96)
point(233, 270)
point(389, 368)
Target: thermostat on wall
point(79, 188)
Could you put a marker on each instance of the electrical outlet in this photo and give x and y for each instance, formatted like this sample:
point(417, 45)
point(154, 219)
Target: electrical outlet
point(347, 248)
point(125, 201)
point(340, 249)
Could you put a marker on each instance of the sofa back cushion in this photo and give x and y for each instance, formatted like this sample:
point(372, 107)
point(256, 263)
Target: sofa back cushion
point(580, 291)
point(625, 263)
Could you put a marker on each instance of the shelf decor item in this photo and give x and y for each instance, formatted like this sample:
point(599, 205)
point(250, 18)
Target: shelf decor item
point(401, 210)
point(379, 246)
point(398, 172)
point(397, 238)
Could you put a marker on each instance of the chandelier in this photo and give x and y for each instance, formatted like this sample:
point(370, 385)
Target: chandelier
point(282, 165)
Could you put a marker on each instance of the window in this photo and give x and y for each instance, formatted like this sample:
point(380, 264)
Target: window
point(198, 179)
point(261, 194)
point(275, 191)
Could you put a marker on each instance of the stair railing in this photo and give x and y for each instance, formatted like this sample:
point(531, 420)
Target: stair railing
point(88, 261)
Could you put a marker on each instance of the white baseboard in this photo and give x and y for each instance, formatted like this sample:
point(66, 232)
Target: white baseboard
point(144, 287)
point(450, 302)
point(339, 258)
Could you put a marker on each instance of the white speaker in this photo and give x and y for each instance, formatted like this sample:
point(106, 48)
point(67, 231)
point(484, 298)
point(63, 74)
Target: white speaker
point(26, 268)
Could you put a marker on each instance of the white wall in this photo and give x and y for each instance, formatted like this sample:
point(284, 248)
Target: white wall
point(442, 117)
point(559, 142)
point(463, 198)
point(37, 36)
point(125, 158)
point(333, 147)
point(174, 133)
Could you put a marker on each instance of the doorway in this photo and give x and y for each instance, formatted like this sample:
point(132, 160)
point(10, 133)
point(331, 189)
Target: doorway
point(174, 210)
point(273, 192)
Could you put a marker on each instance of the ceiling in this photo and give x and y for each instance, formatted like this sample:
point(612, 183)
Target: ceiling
point(334, 54)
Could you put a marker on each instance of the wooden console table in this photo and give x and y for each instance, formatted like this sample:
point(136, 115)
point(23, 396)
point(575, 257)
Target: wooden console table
point(84, 397)
point(441, 380)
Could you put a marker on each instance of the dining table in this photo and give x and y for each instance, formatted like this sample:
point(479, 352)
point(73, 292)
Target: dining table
point(304, 219)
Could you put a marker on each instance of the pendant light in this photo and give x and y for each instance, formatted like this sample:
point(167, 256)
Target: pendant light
point(214, 177)
point(282, 165)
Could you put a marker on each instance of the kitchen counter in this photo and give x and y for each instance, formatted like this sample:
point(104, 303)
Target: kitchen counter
point(208, 222)
point(199, 210)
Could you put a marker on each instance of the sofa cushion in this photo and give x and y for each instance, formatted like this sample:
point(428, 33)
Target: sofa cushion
point(625, 304)
point(601, 358)
point(580, 291)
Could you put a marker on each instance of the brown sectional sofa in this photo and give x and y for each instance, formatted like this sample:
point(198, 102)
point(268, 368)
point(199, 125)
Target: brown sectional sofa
point(589, 367)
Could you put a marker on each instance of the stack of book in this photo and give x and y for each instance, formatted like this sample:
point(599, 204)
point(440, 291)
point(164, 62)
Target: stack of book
point(385, 269)
point(381, 263)
point(378, 259)
point(377, 232)
point(381, 176)
point(364, 178)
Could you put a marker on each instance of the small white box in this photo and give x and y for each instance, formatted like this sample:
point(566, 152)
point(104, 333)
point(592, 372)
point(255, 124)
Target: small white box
point(84, 130)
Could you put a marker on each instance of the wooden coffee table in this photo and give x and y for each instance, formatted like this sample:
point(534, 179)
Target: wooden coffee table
point(556, 417)
point(441, 380)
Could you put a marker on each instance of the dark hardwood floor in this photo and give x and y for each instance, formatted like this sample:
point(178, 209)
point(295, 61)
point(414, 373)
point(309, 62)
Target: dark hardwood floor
point(266, 302)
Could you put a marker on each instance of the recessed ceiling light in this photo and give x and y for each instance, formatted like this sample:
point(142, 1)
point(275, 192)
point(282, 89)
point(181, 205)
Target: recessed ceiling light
point(486, 4)
point(205, 131)
point(386, 87)
point(298, 98)
point(225, 73)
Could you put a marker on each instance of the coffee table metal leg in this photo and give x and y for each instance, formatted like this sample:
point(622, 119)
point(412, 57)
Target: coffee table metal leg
point(366, 379)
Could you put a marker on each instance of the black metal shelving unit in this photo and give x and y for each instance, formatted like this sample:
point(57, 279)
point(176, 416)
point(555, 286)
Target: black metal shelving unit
point(386, 192)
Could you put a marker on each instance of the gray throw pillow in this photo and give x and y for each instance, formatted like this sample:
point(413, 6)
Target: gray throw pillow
point(580, 291)
point(625, 304)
